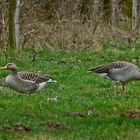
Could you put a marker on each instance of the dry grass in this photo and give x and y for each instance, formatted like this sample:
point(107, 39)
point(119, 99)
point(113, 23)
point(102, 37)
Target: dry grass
point(63, 27)
point(66, 29)
point(72, 35)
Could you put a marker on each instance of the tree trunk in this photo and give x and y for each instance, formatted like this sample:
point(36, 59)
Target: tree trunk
point(128, 8)
point(97, 9)
point(134, 16)
point(107, 11)
point(16, 24)
point(14, 6)
point(2, 24)
point(113, 11)
point(138, 26)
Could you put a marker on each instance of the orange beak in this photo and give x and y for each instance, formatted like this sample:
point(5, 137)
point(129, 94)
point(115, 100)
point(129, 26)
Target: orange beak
point(3, 68)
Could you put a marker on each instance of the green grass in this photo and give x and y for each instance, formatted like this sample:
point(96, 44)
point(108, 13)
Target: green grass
point(78, 91)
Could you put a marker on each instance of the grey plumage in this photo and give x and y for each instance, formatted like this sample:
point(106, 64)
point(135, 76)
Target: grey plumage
point(119, 71)
point(25, 81)
point(38, 78)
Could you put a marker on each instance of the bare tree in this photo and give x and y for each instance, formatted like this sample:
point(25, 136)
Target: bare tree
point(107, 11)
point(113, 11)
point(14, 7)
point(134, 15)
point(97, 9)
point(2, 25)
point(16, 24)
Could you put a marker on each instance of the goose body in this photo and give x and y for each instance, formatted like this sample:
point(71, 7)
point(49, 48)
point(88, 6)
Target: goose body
point(119, 71)
point(25, 81)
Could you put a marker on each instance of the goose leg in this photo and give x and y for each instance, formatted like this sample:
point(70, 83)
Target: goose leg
point(124, 87)
point(115, 89)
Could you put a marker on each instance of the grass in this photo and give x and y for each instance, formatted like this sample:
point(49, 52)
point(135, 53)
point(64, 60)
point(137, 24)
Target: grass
point(78, 91)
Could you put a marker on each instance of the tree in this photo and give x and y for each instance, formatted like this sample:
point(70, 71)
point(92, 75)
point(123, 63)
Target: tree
point(134, 15)
point(14, 7)
point(107, 10)
point(97, 9)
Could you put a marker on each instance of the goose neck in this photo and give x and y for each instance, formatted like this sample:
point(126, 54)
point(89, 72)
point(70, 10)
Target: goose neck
point(14, 71)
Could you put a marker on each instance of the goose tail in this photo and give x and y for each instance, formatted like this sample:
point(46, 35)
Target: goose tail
point(49, 79)
point(101, 71)
point(52, 81)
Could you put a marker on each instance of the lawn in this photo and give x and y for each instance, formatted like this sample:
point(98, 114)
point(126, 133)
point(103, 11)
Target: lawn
point(49, 113)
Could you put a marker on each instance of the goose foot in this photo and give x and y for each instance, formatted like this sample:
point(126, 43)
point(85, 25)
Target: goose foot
point(124, 88)
point(115, 89)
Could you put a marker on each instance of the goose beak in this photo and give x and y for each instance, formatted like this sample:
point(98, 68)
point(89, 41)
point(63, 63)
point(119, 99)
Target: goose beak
point(3, 68)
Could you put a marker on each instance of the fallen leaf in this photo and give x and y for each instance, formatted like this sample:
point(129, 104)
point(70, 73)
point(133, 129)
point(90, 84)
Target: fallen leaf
point(76, 114)
point(56, 124)
point(18, 127)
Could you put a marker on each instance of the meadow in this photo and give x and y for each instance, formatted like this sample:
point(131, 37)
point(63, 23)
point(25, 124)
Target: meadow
point(80, 106)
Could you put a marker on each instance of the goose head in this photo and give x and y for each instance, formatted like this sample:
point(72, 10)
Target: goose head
point(10, 66)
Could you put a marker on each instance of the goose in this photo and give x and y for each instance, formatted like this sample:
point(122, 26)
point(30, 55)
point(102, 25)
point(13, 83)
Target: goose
point(118, 72)
point(25, 81)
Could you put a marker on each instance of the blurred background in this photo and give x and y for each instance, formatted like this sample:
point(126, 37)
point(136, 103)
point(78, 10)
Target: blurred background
point(68, 24)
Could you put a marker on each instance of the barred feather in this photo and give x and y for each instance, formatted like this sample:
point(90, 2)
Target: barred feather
point(38, 78)
point(24, 81)
point(118, 71)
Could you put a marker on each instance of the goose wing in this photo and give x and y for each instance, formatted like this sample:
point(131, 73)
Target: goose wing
point(27, 85)
point(117, 71)
point(122, 71)
point(120, 64)
point(19, 84)
point(107, 68)
point(122, 67)
point(35, 77)
point(115, 66)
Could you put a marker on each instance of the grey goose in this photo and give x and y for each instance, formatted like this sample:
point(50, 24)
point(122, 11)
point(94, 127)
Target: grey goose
point(25, 81)
point(118, 72)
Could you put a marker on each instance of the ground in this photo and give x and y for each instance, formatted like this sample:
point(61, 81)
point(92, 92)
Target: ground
point(79, 106)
